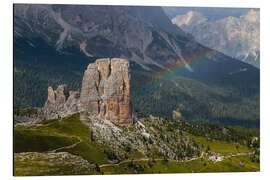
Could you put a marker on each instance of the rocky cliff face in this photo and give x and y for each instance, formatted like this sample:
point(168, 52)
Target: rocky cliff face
point(105, 94)
point(61, 102)
point(190, 18)
point(106, 90)
point(130, 32)
point(236, 37)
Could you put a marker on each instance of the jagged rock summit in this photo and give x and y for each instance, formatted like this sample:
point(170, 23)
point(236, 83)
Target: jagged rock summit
point(61, 102)
point(106, 91)
point(105, 94)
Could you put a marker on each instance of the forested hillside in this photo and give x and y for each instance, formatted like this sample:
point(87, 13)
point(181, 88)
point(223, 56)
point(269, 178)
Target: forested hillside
point(39, 66)
point(197, 102)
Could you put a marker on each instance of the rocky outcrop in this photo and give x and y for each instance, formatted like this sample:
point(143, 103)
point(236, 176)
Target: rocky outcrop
point(61, 102)
point(192, 17)
point(58, 97)
point(106, 91)
point(176, 114)
point(28, 116)
point(105, 94)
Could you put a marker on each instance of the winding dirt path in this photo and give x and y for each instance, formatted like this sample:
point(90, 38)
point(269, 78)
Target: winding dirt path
point(172, 160)
point(147, 159)
point(67, 147)
point(128, 160)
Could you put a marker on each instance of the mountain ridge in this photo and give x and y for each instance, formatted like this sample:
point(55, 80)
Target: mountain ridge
point(235, 37)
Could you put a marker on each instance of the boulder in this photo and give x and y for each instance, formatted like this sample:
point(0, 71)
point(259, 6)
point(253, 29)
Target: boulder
point(176, 114)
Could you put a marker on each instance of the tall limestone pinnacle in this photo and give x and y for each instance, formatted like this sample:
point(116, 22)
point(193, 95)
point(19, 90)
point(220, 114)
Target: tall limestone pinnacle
point(105, 94)
point(106, 91)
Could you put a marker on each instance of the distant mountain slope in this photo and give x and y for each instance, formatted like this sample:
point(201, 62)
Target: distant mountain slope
point(53, 44)
point(236, 37)
point(101, 31)
point(198, 102)
point(211, 13)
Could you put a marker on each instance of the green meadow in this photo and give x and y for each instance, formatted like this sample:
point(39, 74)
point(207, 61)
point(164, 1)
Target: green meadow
point(38, 151)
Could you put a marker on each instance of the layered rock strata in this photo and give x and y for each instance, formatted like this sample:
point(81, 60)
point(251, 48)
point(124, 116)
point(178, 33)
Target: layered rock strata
point(106, 91)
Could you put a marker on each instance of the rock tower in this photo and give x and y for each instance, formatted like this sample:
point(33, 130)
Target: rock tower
point(61, 102)
point(106, 91)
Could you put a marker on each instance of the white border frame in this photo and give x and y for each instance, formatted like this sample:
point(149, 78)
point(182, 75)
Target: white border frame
point(6, 80)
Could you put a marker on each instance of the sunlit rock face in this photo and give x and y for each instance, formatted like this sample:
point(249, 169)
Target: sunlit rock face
point(106, 91)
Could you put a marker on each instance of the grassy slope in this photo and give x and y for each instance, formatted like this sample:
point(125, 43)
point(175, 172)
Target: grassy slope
point(43, 164)
point(62, 132)
point(66, 129)
point(39, 141)
point(52, 134)
point(221, 147)
point(228, 165)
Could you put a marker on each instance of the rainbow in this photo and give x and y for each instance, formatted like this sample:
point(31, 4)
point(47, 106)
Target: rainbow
point(191, 60)
point(181, 65)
